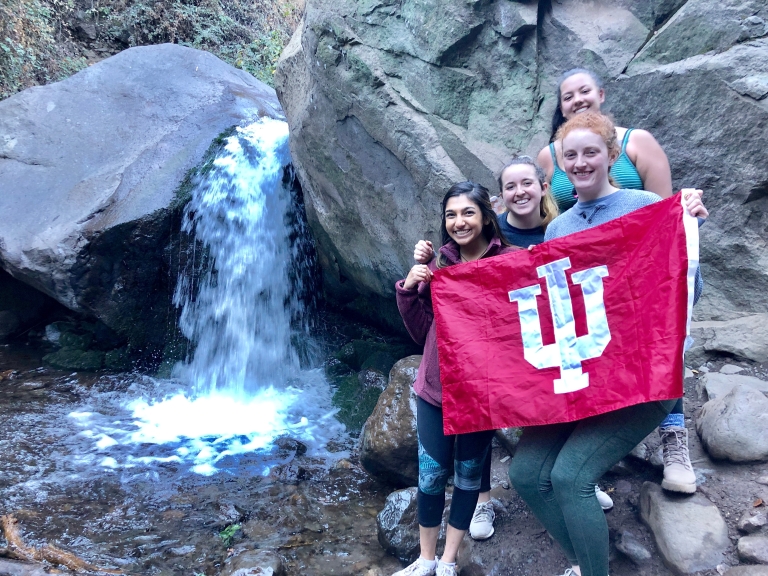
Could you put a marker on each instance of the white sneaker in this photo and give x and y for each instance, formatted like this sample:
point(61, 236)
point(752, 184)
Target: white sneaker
point(418, 568)
point(444, 569)
point(568, 572)
point(603, 499)
point(481, 527)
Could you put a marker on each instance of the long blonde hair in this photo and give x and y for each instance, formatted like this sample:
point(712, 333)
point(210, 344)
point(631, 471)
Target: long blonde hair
point(548, 209)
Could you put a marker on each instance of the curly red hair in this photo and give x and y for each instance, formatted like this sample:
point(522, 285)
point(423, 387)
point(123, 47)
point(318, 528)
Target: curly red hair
point(596, 122)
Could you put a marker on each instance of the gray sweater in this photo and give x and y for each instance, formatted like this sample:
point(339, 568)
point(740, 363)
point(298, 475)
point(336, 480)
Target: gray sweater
point(584, 215)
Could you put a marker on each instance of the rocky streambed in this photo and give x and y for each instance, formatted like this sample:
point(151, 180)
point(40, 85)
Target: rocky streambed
point(317, 514)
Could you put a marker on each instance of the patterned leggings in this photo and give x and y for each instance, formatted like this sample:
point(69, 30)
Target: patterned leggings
point(439, 457)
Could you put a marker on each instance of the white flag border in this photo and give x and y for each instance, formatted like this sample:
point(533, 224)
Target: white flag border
point(691, 227)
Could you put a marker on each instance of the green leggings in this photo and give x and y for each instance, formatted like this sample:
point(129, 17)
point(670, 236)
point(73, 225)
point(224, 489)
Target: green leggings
point(556, 467)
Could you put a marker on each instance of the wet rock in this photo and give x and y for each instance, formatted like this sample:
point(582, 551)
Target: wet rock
point(92, 171)
point(372, 378)
point(388, 443)
point(255, 563)
point(735, 426)
point(745, 337)
point(731, 369)
point(689, 531)
point(181, 550)
point(398, 525)
point(291, 445)
point(75, 359)
point(719, 384)
point(747, 571)
point(753, 549)
point(509, 438)
point(628, 544)
point(753, 520)
point(13, 568)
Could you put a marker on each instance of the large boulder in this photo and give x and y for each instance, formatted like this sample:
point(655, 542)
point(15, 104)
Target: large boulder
point(390, 102)
point(735, 426)
point(388, 443)
point(745, 337)
point(91, 174)
point(689, 531)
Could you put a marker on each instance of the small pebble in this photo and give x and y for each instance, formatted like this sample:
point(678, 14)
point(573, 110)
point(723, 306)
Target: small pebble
point(703, 369)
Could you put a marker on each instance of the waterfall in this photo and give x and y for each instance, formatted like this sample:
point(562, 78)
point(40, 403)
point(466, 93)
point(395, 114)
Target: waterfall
point(244, 385)
point(240, 316)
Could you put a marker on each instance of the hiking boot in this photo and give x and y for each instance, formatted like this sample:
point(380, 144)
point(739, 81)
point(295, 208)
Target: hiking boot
point(444, 569)
point(678, 471)
point(605, 501)
point(481, 527)
point(418, 569)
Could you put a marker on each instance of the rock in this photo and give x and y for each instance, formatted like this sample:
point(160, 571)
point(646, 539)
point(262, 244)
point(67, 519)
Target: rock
point(731, 369)
point(762, 480)
point(647, 450)
point(388, 442)
point(509, 438)
point(13, 568)
point(689, 531)
point(391, 103)
point(75, 359)
point(86, 31)
point(753, 520)
point(753, 549)
point(21, 307)
point(747, 571)
point(92, 170)
point(745, 337)
point(735, 426)
point(718, 384)
point(255, 563)
point(628, 544)
point(398, 525)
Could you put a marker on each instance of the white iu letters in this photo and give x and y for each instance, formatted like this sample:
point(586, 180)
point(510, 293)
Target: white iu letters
point(568, 351)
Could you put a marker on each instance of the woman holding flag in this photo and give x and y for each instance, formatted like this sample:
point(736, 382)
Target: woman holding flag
point(640, 165)
point(469, 232)
point(556, 466)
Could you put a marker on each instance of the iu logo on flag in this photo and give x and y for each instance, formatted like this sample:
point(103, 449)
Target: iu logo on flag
point(569, 350)
point(575, 327)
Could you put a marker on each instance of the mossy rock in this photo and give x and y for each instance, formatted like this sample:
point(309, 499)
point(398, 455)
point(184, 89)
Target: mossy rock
point(74, 359)
point(355, 403)
point(118, 359)
point(361, 354)
point(75, 341)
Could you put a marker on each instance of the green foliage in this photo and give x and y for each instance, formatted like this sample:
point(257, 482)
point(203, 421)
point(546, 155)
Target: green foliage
point(228, 533)
point(249, 35)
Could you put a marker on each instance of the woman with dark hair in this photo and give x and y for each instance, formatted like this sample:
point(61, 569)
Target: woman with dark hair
point(469, 231)
point(641, 165)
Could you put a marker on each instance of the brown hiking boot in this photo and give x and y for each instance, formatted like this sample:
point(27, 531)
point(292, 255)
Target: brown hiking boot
point(678, 471)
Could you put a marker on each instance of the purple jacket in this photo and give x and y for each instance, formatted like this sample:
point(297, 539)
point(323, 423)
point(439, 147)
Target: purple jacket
point(415, 307)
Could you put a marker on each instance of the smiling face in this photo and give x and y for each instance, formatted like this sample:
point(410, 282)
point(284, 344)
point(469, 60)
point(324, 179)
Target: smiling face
point(587, 163)
point(464, 222)
point(579, 93)
point(522, 193)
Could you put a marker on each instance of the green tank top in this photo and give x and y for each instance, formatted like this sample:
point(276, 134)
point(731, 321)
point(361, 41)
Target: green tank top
point(623, 171)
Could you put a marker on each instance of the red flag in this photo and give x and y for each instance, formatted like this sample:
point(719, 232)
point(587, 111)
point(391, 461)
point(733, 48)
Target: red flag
point(581, 325)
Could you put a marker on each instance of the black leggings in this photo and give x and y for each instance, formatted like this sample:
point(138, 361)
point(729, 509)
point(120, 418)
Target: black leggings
point(439, 456)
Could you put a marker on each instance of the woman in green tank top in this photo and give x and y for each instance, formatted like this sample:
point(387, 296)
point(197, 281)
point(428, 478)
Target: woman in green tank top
point(642, 164)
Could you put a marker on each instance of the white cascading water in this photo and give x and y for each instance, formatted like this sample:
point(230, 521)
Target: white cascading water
point(244, 386)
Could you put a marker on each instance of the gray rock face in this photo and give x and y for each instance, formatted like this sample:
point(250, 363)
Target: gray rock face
point(689, 531)
point(717, 384)
point(745, 337)
point(90, 175)
point(388, 443)
point(753, 549)
point(735, 426)
point(389, 103)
